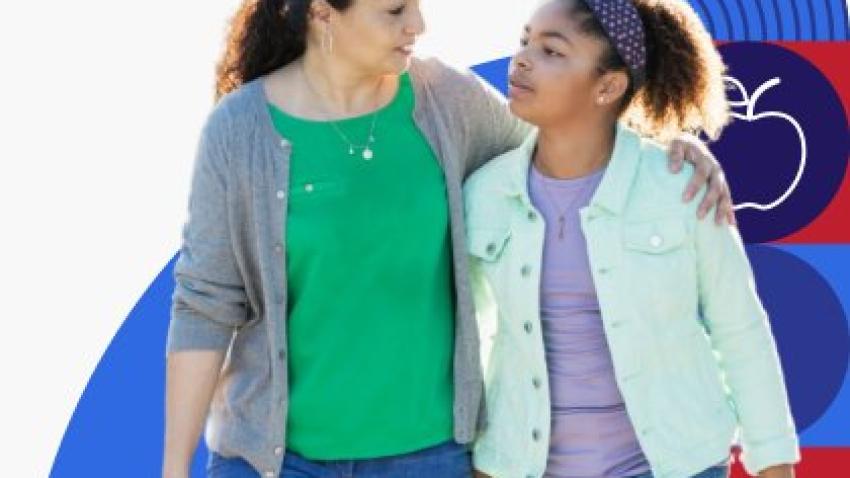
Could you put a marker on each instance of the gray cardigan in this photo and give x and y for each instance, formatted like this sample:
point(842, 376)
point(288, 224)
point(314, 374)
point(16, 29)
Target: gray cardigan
point(231, 274)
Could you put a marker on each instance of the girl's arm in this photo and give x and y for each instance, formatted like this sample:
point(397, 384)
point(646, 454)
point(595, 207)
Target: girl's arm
point(739, 330)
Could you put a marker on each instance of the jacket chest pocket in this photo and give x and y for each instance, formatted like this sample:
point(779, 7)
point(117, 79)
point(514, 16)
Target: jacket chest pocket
point(488, 244)
point(654, 237)
point(489, 253)
point(661, 267)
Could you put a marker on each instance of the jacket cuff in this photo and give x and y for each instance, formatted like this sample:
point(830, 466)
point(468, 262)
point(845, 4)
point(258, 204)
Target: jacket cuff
point(779, 451)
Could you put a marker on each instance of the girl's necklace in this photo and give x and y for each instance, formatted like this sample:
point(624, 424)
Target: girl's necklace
point(562, 213)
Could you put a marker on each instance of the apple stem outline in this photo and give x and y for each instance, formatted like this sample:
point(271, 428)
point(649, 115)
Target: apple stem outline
point(750, 104)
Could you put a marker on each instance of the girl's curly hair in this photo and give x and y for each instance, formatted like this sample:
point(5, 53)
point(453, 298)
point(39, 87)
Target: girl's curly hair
point(683, 89)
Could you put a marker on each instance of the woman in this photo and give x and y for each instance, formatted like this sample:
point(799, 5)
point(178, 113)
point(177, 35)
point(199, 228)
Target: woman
point(652, 350)
point(322, 316)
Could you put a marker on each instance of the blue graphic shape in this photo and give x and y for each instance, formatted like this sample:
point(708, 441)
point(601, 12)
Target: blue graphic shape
point(832, 262)
point(770, 20)
point(810, 327)
point(117, 427)
point(767, 160)
point(495, 72)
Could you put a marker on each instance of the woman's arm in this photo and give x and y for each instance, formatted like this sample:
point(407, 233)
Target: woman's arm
point(191, 377)
point(208, 304)
point(494, 130)
point(740, 332)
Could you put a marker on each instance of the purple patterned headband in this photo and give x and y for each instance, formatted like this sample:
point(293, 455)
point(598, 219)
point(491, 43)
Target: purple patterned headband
point(622, 24)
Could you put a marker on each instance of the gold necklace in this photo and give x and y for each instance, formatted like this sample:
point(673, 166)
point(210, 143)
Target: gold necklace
point(366, 149)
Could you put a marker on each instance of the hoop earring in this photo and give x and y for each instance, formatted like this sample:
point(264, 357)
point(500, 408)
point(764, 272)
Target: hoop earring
point(328, 42)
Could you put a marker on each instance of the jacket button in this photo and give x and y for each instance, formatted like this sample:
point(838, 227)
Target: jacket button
point(281, 355)
point(278, 249)
point(656, 241)
point(536, 382)
point(278, 451)
point(525, 271)
point(535, 434)
point(281, 194)
point(528, 327)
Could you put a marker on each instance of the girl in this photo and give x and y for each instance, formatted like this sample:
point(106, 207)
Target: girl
point(321, 320)
point(627, 336)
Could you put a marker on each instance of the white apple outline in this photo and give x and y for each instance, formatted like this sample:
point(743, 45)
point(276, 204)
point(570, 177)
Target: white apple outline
point(750, 103)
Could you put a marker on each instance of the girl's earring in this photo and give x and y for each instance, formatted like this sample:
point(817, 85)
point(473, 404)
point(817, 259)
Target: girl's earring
point(601, 100)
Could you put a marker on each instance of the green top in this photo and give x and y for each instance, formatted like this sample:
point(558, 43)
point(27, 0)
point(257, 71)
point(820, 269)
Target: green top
point(371, 305)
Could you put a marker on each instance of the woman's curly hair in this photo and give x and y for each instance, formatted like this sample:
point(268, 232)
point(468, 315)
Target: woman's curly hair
point(683, 88)
point(263, 36)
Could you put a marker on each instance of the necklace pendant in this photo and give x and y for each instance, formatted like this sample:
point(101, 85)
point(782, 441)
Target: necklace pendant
point(351, 150)
point(368, 154)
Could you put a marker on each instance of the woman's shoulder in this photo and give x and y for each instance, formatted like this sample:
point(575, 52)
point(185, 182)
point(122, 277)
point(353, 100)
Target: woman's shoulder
point(235, 113)
point(458, 86)
point(434, 71)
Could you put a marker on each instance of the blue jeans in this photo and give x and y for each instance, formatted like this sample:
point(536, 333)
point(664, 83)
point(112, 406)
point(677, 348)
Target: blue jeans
point(447, 460)
point(713, 472)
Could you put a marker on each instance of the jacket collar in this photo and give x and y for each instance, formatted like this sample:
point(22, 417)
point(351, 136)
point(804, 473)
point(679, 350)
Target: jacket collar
point(616, 183)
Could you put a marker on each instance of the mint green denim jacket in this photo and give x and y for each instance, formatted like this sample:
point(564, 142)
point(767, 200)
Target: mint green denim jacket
point(692, 348)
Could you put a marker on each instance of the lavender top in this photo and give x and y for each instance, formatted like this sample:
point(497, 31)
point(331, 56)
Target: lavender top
point(592, 436)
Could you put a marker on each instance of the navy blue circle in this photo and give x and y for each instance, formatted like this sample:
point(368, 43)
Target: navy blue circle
point(810, 328)
point(761, 157)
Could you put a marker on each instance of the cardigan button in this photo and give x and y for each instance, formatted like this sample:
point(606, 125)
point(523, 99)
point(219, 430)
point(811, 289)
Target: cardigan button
point(525, 271)
point(535, 434)
point(528, 327)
